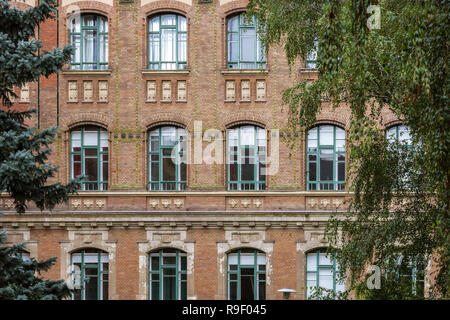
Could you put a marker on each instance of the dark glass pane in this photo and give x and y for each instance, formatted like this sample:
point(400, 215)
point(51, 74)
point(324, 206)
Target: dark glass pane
point(105, 171)
point(341, 171)
point(76, 169)
point(154, 263)
point(91, 271)
point(169, 260)
point(183, 171)
point(247, 172)
point(155, 291)
point(183, 263)
point(91, 287)
point(233, 290)
point(262, 290)
point(91, 169)
point(312, 171)
point(76, 149)
point(167, 152)
point(183, 293)
point(105, 290)
point(233, 171)
point(168, 169)
point(326, 168)
point(76, 157)
point(169, 287)
point(90, 152)
point(233, 276)
point(154, 171)
point(247, 284)
point(77, 294)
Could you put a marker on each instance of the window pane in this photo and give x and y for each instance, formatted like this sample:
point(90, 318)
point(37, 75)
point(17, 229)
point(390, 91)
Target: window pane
point(90, 138)
point(182, 47)
point(233, 24)
point(154, 25)
point(77, 44)
point(312, 171)
point(262, 291)
point(90, 46)
point(324, 259)
point(233, 290)
point(91, 287)
point(168, 20)
point(247, 44)
point(182, 24)
point(153, 50)
point(168, 169)
point(326, 278)
point(247, 259)
point(91, 169)
point(311, 262)
point(103, 48)
point(341, 171)
point(326, 165)
point(168, 38)
point(247, 284)
point(326, 135)
point(247, 172)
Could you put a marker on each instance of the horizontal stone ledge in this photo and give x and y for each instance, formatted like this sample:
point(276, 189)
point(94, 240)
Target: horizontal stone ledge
point(86, 72)
point(206, 193)
point(178, 213)
point(165, 72)
point(231, 72)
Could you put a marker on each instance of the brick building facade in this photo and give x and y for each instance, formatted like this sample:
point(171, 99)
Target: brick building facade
point(204, 235)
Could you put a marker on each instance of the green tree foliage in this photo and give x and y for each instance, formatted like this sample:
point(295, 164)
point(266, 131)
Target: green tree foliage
point(24, 151)
point(401, 197)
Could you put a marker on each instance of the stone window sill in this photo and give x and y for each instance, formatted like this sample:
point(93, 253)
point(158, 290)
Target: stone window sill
point(227, 72)
point(165, 72)
point(86, 72)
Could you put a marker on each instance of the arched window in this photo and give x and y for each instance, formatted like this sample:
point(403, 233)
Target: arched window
point(167, 166)
point(322, 271)
point(167, 275)
point(89, 157)
point(246, 158)
point(326, 158)
point(90, 274)
point(245, 50)
point(89, 36)
point(167, 38)
point(246, 275)
point(399, 133)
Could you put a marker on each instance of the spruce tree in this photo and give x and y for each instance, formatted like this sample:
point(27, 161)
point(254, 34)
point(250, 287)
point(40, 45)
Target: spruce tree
point(24, 151)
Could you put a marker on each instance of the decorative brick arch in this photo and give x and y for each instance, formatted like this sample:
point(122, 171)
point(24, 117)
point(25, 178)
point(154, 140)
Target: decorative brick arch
point(75, 120)
point(166, 119)
point(234, 7)
point(87, 7)
point(243, 118)
point(166, 6)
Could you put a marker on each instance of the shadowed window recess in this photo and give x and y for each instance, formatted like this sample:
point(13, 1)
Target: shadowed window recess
point(246, 275)
point(167, 275)
point(325, 157)
point(89, 157)
point(89, 36)
point(167, 163)
point(89, 269)
point(167, 42)
point(322, 271)
point(244, 46)
point(246, 158)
